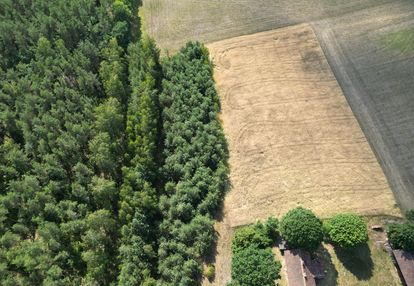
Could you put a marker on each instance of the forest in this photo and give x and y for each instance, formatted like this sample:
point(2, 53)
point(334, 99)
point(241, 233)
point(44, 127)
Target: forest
point(113, 162)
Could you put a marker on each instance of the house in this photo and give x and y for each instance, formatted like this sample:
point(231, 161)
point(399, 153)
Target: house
point(302, 270)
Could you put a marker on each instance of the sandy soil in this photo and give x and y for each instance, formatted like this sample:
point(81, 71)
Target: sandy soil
point(293, 138)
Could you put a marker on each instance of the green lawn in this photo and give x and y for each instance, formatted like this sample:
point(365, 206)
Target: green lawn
point(365, 266)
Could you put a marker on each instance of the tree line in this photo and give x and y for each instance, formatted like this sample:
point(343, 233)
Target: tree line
point(194, 169)
point(112, 161)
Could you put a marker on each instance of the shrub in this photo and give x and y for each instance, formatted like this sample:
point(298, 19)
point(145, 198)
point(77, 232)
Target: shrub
point(272, 226)
point(302, 229)
point(410, 215)
point(210, 272)
point(253, 235)
point(401, 236)
point(347, 230)
point(253, 266)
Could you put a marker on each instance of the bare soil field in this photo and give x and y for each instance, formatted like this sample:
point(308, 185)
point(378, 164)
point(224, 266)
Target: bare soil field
point(292, 136)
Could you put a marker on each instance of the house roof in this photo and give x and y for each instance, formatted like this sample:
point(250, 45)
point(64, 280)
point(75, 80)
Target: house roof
point(301, 269)
point(405, 262)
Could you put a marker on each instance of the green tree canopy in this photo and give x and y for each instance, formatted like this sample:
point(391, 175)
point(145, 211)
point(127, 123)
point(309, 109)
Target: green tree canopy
point(302, 229)
point(346, 230)
point(401, 236)
point(253, 235)
point(253, 266)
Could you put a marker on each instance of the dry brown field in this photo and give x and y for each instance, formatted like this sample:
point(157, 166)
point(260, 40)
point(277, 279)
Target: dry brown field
point(292, 136)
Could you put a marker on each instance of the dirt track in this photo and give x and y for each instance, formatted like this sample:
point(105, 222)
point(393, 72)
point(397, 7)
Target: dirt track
point(293, 138)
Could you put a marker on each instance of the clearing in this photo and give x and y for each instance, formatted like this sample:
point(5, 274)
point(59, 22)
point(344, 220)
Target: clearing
point(292, 136)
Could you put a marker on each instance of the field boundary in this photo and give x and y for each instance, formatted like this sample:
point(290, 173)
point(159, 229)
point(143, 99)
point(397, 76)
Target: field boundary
point(358, 100)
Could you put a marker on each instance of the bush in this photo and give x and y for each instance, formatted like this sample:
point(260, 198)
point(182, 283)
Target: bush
point(347, 230)
point(401, 236)
point(210, 272)
point(272, 226)
point(410, 215)
point(253, 235)
point(302, 229)
point(253, 266)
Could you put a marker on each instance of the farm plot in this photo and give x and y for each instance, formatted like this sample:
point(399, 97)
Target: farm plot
point(372, 55)
point(292, 137)
point(172, 23)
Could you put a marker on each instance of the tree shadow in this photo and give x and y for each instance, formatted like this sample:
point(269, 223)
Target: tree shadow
point(358, 261)
point(218, 216)
point(331, 274)
point(209, 260)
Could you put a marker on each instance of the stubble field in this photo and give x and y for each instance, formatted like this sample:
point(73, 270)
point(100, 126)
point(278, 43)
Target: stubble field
point(292, 136)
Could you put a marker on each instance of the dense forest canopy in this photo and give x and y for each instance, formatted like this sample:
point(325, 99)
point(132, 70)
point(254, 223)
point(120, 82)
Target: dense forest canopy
point(112, 162)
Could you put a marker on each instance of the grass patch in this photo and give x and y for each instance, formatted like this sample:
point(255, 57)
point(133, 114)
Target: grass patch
point(368, 265)
point(402, 41)
point(365, 266)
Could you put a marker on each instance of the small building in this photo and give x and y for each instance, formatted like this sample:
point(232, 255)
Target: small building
point(405, 265)
point(302, 270)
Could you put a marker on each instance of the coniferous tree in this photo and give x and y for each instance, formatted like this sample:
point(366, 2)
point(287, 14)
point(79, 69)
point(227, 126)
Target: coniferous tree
point(138, 201)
